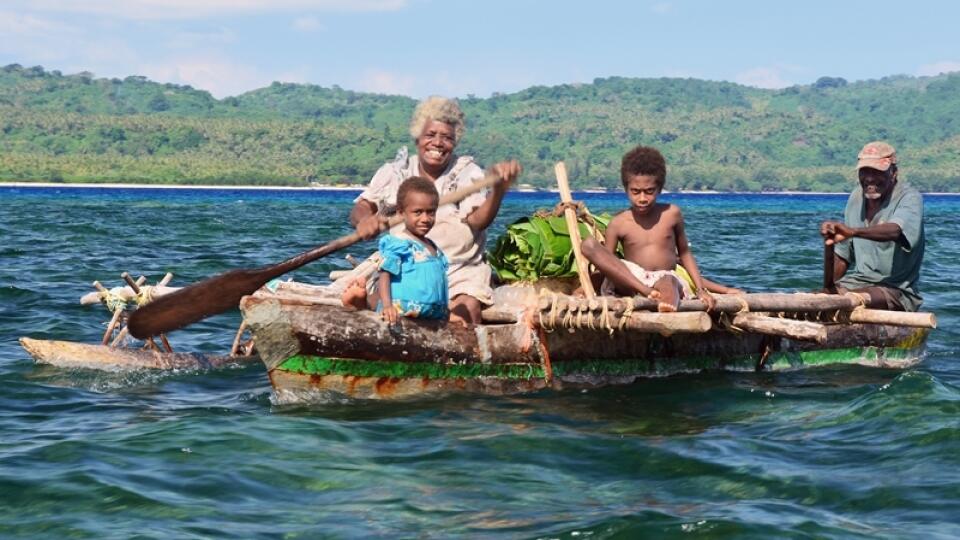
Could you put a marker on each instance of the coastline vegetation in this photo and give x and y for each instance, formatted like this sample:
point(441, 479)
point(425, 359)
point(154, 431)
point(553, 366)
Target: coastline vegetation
point(716, 135)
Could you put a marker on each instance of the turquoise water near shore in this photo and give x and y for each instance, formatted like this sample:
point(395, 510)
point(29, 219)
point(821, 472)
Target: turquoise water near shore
point(824, 453)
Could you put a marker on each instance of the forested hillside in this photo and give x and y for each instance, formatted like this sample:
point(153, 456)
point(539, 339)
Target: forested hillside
point(715, 135)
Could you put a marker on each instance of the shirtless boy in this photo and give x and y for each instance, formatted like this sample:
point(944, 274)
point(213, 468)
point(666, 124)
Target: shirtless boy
point(653, 239)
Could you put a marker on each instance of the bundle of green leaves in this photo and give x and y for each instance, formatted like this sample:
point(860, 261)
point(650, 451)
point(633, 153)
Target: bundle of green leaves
point(537, 247)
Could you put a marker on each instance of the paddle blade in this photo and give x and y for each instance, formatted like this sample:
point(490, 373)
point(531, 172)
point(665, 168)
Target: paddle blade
point(195, 302)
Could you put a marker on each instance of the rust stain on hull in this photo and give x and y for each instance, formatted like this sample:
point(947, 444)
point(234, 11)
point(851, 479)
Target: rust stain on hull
point(386, 386)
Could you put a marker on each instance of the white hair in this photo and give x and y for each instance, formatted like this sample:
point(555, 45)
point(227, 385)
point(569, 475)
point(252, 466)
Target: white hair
point(439, 109)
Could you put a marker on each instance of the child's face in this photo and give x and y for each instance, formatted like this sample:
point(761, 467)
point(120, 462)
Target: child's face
point(642, 190)
point(419, 212)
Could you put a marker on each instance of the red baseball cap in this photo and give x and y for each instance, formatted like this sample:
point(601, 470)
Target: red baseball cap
point(876, 155)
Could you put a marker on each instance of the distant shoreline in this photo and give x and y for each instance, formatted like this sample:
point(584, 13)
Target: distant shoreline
point(361, 188)
point(179, 186)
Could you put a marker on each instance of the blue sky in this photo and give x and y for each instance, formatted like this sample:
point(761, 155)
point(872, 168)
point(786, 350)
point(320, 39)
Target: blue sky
point(460, 47)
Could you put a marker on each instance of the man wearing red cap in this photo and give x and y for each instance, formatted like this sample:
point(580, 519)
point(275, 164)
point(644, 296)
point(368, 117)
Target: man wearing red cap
point(879, 245)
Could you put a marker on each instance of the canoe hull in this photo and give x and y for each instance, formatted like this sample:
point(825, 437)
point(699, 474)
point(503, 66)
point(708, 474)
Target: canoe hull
point(327, 350)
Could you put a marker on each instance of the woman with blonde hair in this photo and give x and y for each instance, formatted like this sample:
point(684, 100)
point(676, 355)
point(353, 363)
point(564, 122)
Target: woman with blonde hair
point(437, 126)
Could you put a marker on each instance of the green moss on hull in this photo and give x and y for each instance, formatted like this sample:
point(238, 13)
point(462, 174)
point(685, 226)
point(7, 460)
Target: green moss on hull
point(315, 365)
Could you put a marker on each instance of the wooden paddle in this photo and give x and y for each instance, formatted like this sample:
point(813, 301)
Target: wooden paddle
point(223, 292)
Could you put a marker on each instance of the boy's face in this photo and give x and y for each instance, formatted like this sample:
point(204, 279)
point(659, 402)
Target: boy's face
point(419, 212)
point(642, 190)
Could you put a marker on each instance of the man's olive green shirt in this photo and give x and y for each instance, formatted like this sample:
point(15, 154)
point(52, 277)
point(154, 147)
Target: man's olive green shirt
point(894, 264)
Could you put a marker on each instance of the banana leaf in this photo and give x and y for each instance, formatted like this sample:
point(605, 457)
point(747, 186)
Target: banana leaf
point(537, 247)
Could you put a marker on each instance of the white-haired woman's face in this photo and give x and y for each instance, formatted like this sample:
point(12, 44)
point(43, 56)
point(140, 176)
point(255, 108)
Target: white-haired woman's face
point(436, 143)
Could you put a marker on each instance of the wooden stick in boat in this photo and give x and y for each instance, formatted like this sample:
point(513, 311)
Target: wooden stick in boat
point(828, 259)
point(898, 318)
point(235, 348)
point(114, 321)
point(692, 322)
point(775, 326)
point(573, 227)
point(117, 312)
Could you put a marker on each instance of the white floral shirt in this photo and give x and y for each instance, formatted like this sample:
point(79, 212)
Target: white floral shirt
point(450, 233)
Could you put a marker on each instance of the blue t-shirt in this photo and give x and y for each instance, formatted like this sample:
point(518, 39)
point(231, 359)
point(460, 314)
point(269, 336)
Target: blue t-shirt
point(418, 278)
point(894, 264)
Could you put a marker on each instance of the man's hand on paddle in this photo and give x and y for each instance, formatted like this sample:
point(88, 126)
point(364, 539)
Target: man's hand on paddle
point(834, 231)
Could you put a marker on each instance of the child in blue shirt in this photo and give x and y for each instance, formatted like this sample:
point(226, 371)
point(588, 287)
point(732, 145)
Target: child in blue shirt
point(413, 273)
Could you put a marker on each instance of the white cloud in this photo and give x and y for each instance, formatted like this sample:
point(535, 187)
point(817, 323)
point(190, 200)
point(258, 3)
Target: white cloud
point(195, 40)
point(937, 68)
point(13, 24)
point(192, 9)
point(307, 24)
point(662, 8)
point(385, 82)
point(30, 40)
point(763, 77)
point(218, 76)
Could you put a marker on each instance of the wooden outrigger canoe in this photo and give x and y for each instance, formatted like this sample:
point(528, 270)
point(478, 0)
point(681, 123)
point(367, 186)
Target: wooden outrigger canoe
point(310, 345)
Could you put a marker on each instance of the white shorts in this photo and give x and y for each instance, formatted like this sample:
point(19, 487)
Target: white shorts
point(648, 278)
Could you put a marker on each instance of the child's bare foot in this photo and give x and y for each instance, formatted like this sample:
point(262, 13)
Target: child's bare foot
point(665, 307)
point(355, 295)
point(454, 318)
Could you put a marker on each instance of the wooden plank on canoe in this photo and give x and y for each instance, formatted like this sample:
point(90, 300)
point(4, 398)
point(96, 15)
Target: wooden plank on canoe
point(83, 355)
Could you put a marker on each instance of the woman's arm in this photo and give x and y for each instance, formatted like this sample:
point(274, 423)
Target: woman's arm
point(483, 216)
point(365, 219)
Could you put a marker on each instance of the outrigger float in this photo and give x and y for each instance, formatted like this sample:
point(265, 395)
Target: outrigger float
point(117, 352)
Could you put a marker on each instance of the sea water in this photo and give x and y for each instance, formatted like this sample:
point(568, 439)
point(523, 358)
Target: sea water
point(843, 452)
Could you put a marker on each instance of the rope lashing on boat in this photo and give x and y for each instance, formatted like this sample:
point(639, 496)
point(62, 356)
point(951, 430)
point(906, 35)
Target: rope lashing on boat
point(585, 308)
point(568, 319)
point(112, 300)
point(726, 320)
point(627, 312)
point(583, 216)
point(530, 322)
point(145, 296)
point(549, 323)
point(606, 318)
point(744, 306)
point(545, 357)
point(573, 314)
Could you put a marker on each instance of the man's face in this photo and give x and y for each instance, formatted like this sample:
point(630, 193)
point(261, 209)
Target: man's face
point(876, 184)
